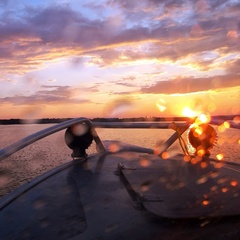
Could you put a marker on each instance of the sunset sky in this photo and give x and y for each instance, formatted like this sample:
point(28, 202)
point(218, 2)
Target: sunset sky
point(119, 58)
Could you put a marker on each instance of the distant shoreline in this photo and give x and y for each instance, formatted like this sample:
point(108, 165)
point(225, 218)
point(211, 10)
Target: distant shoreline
point(138, 119)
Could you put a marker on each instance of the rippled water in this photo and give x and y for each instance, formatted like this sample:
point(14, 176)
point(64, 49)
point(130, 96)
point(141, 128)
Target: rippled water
point(52, 151)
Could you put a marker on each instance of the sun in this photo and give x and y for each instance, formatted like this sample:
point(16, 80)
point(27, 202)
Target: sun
point(188, 112)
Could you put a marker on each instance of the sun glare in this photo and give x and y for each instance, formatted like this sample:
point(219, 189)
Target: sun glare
point(188, 112)
point(204, 118)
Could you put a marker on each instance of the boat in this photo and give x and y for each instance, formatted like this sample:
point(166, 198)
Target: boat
point(126, 191)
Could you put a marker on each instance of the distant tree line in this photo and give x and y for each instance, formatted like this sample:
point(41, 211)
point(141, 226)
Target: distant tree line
point(32, 121)
point(136, 119)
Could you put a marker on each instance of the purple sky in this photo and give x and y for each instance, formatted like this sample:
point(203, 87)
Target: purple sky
point(119, 58)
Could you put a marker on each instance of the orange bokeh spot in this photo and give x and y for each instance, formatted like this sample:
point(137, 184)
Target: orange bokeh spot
point(165, 155)
point(211, 107)
point(144, 188)
point(203, 164)
point(204, 118)
point(201, 152)
point(219, 156)
point(224, 189)
point(236, 119)
point(226, 124)
point(194, 160)
point(114, 147)
point(214, 188)
point(144, 162)
point(218, 165)
point(233, 183)
point(187, 158)
point(198, 131)
point(157, 151)
point(221, 128)
point(205, 202)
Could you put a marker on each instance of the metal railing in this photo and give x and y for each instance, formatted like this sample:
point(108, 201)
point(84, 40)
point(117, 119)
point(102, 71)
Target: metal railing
point(11, 149)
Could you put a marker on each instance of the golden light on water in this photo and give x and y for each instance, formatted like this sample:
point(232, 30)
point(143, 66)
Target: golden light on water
point(221, 141)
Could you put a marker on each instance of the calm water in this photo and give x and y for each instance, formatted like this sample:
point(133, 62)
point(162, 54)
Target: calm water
point(52, 151)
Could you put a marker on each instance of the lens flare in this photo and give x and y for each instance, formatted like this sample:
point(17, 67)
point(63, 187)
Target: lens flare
point(202, 138)
point(211, 107)
point(201, 152)
point(232, 34)
point(114, 147)
point(219, 156)
point(161, 105)
point(79, 129)
point(187, 158)
point(234, 183)
point(165, 155)
point(145, 162)
point(236, 119)
point(221, 128)
point(226, 124)
point(188, 112)
point(118, 107)
point(205, 202)
point(224, 190)
point(198, 131)
point(204, 118)
point(203, 164)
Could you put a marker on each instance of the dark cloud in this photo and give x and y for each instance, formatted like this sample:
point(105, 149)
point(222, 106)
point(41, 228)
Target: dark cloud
point(173, 29)
point(189, 85)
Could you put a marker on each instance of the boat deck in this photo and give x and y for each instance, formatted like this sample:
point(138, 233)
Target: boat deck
point(126, 195)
